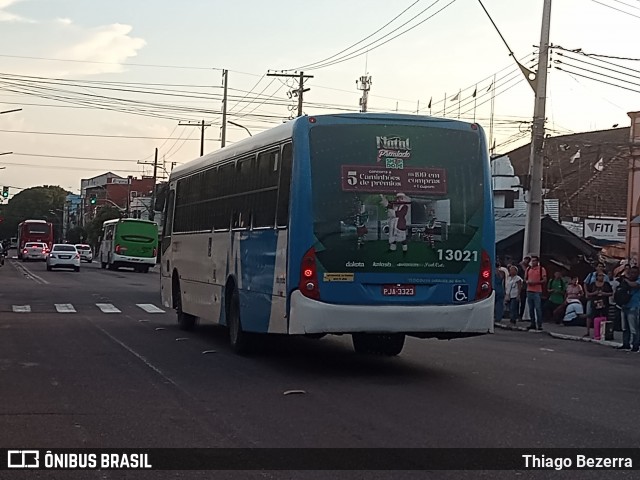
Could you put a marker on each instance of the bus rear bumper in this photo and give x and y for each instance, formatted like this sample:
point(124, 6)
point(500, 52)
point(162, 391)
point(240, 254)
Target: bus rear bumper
point(124, 260)
point(311, 316)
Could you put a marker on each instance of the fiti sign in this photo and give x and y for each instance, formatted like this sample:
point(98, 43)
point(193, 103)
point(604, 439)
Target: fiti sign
point(614, 229)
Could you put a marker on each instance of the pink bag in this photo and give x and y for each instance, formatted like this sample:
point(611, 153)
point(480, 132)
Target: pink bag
point(597, 321)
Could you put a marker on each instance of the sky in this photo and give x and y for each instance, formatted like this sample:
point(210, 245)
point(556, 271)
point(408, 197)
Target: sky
point(102, 84)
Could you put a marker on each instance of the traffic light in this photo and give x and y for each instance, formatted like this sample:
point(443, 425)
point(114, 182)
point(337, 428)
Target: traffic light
point(93, 199)
point(5, 192)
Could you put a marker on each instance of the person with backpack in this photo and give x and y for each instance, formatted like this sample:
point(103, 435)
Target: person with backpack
point(627, 297)
point(535, 279)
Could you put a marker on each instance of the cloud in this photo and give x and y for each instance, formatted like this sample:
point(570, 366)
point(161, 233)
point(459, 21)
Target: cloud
point(64, 21)
point(11, 17)
point(103, 48)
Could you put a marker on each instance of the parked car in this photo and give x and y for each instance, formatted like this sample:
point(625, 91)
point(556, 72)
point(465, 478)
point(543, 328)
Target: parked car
point(63, 255)
point(35, 251)
point(85, 252)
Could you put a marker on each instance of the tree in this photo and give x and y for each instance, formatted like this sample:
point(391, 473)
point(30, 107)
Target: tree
point(38, 203)
point(77, 235)
point(107, 212)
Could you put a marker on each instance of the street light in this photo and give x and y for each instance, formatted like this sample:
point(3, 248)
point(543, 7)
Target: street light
point(241, 126)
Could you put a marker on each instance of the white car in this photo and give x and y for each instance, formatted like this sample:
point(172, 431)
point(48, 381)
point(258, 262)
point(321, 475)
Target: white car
point(85, 252)
point(63, 255)
point(34, 251)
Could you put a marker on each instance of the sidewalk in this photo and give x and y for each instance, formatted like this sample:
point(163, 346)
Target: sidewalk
point(562, 332)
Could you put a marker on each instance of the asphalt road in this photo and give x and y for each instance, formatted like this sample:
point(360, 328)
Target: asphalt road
point(89, 379)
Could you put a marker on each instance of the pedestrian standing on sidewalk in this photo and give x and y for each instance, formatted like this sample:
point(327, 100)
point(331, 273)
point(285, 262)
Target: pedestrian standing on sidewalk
point(498, 288)
point(513, 290)
point(556, 288)
point(598, 294)
point(588, 280)
point(630, 310)
point(522, 269)
point(535, 278)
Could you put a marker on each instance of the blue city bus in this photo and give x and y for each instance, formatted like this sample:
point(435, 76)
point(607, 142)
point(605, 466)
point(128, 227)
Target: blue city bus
point(375, 225)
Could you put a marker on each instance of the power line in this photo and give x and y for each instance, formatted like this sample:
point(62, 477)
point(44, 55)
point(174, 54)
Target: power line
point(362, 40)
point(617, 9)
point(355, 53)
point(63, 134)
point(580, 52)
point(109, 63)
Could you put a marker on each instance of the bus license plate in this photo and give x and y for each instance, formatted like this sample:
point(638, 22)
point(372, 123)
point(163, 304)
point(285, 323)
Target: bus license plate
point(398, 290)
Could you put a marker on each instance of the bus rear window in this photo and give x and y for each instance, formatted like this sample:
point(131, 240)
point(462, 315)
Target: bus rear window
point(395, 198)
point(137, 238)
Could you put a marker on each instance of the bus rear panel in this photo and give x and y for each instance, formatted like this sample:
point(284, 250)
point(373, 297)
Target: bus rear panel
point(397, 233)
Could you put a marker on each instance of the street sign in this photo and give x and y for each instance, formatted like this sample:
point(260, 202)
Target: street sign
point(613, 229)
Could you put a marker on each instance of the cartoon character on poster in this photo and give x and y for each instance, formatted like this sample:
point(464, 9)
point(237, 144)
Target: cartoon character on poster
point(397, 213)
point(359, 219)
point(430, 228)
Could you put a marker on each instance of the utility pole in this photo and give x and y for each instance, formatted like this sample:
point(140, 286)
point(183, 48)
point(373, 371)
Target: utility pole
point(364, 84)
point(534, 207)
point(300, 91)
point(225, 80)
point(153, 191)
point(202, 125)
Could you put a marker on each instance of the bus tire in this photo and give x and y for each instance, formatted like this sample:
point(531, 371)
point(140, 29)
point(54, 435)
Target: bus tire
point(239, 339)
point(144, 269)
point(103, 265)
point(390, 344)
point(186, 321)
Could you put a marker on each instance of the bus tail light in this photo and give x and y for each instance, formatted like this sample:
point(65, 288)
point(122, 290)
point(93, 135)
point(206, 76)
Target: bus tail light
point(309, 275)
point(155, 252)
point(120, 250)
point(484, 278)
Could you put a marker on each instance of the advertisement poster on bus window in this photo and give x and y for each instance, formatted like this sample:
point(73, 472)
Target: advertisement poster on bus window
point(397, 198)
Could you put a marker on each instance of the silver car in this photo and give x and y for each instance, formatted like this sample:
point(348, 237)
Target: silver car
point(35, 251)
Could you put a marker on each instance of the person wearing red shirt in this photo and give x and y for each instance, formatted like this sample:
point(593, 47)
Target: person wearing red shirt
point(535, 277)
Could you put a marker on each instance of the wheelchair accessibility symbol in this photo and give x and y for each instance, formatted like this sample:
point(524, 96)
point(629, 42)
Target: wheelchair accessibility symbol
point(460, 293)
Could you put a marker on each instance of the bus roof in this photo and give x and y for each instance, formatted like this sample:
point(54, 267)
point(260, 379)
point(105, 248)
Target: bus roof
point(131, 220)
point(34, 221)
point(284, 131)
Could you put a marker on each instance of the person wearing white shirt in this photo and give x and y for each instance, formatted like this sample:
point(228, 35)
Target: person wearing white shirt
point(513, 287)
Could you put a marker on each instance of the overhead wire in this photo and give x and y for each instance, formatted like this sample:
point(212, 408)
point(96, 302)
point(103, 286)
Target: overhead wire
point(370, 47)
point(364, 39)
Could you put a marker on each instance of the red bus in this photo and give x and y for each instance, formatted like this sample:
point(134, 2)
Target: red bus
point(34, 231)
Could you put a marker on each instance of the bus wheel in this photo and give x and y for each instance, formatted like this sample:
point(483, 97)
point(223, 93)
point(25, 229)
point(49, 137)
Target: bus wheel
point(103, 265)
point(380, 344)
point(185, 320)
point(240, 340)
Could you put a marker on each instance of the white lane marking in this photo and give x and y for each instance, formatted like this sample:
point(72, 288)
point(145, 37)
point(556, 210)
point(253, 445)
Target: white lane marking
point(142, 359)
point(29, 274)
point(21, 308)
point(65, 308)
point(149, 308)
point(107, 308)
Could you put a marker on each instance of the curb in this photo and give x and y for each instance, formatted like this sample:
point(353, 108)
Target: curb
point(563, 336)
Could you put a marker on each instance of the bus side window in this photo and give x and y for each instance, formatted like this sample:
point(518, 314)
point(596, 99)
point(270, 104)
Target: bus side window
point(168, 220)
point(284, 185)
